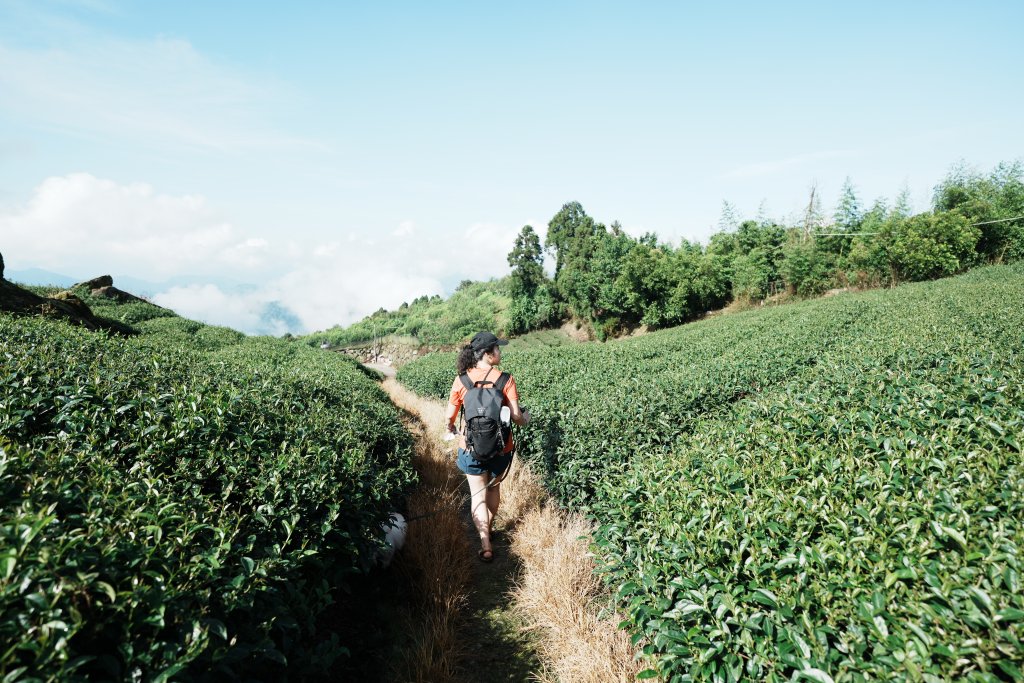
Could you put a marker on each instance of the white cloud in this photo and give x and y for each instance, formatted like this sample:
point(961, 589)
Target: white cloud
point(80, 219)
point(306, 298)
point(210, 304)
point(83, 226)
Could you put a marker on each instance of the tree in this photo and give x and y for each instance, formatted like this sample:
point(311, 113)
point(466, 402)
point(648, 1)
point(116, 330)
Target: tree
point(867, 264)
point(805, 268)
point(930, 245)
point(751, 275)
point(903, 206)
point(729, 219)
point(575, 237)
point(849, 215)
point(527, 262)
point(566, 230)
point(994, 202)
point(813, 218)
point(527, 282)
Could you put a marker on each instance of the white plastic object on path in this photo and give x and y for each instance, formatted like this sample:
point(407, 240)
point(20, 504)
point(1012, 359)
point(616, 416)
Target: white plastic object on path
point(394, 536)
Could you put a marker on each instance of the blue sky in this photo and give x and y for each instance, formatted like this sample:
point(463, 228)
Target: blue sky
point(339, 157)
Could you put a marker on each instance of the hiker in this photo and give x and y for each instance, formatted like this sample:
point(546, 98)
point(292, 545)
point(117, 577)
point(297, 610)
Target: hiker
point(478, 368)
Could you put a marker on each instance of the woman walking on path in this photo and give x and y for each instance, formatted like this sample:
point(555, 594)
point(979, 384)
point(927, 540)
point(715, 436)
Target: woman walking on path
point(479, 360)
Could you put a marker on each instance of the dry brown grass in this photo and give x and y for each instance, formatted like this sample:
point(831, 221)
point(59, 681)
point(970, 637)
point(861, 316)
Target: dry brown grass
point(436, 554)
point(558, 596)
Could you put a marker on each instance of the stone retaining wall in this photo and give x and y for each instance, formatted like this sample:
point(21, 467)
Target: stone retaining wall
point(395, 355)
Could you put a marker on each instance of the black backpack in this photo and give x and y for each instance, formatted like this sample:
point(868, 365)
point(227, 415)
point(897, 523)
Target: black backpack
point(486, 436)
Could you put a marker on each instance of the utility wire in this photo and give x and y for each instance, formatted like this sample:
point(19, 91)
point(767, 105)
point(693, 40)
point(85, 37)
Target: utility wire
point(1001, 220)
point(851, 234)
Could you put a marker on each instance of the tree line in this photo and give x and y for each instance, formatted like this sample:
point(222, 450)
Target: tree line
point(617, 282)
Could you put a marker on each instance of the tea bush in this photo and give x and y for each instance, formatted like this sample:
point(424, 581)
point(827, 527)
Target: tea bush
point(183, 504)
point(827, 491)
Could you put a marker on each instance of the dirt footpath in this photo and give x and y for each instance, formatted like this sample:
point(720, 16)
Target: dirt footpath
point(386, 370)
point(467, 630)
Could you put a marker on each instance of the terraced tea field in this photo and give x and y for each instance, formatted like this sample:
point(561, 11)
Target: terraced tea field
point(825, 491)
point(183, 505)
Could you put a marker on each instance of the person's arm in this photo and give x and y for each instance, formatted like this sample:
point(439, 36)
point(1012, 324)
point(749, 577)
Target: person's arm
point(520, 417)
point(449, 418)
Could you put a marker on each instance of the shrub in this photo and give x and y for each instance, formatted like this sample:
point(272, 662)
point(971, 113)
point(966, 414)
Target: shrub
point(167, 513)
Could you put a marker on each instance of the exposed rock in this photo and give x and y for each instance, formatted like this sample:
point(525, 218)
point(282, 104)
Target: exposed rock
point(388, 354)
point(1, 266)
point(96, 282)
point(63, 306)
point(111, 292)
point(74, 302)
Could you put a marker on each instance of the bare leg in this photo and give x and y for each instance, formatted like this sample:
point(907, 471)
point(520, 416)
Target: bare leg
point(480, 507)
point(493, 500)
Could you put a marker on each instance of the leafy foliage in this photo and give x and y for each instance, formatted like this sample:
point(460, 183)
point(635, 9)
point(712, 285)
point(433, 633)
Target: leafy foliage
point(825, 491)
point(183, 504)
point(430, 320)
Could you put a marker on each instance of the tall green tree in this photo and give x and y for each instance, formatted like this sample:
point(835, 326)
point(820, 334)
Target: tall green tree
point(527, 262)
point(532, 304)
point(728, 219)
point(574, 238)
point(568, 233)
point(848, 215)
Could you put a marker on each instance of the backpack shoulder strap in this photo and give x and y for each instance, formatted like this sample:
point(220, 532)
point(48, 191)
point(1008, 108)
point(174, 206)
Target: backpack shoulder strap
point(466, 381)
point(484, 381)
point(502, 380)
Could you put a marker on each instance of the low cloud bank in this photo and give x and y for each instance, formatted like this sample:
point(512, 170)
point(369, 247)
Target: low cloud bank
point(299, 282)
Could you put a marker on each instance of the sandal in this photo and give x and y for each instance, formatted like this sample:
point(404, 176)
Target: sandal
point(485, 555)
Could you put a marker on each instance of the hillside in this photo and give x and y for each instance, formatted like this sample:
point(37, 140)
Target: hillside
point(825, 491)
point(428, 321)
point(184, 502)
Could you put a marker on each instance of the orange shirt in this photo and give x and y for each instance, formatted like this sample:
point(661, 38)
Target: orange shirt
point(458, 393)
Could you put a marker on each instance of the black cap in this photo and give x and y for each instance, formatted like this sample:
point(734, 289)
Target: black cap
point(485, 340)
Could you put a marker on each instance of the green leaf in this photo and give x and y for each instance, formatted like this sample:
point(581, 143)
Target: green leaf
point(818, 675)
point(1010, 669)
point(981, 598)
point(647, 673)
point(7, 564)
point(1010, 614)
point(956, 536)
point(108, 590)
point(766, 597)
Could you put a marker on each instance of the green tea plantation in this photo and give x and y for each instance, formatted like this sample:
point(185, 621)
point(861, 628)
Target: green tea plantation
point(824, 491)
point(183, 504)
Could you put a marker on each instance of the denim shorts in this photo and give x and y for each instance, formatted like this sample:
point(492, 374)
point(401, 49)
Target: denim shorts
point(496, 465)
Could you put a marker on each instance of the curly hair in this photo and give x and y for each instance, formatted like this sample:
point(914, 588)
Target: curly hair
point(468, 358)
